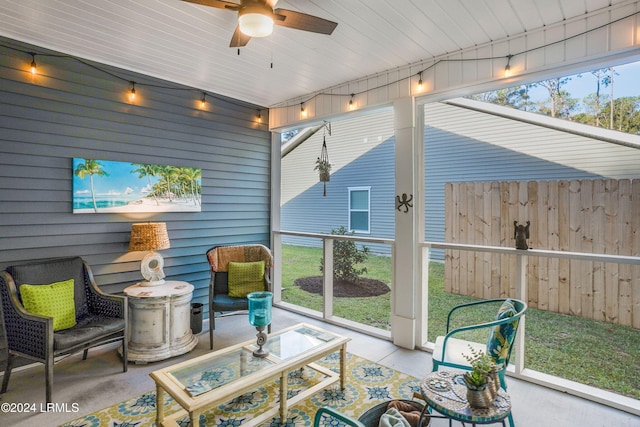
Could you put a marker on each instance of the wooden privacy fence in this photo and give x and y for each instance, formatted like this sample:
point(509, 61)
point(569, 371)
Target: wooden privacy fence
point(592, 216)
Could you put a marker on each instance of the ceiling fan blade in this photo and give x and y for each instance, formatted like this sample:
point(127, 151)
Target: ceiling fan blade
point(302, 21)
point(239, 38)
point(221, 4)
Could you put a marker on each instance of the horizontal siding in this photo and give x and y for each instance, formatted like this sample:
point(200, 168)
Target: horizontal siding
point(71, 110)
point(361, 152)
point(463, 145)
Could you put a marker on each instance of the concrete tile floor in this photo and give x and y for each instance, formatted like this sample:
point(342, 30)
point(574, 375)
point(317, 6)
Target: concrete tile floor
point(90, 385)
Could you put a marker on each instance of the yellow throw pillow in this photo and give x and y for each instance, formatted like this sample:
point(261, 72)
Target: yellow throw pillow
point(245, 277)
point(53, 300)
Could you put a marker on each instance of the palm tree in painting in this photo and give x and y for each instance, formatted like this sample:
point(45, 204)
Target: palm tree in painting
point(189, 178)
point(148, 171)
point(90, 168)
point(170, 174)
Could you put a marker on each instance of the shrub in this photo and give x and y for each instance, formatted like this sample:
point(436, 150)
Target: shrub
point(345, 257)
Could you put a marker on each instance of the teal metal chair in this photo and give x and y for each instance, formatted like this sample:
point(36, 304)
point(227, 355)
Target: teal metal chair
point(332, 413)
point(501, 331)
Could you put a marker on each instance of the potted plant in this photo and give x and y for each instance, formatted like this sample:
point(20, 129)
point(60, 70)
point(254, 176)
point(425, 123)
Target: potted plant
point(480, 380)
point(324, 168)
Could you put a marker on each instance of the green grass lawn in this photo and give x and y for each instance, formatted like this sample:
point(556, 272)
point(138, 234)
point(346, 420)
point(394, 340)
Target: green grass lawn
point(299, 261)
point(591, 352)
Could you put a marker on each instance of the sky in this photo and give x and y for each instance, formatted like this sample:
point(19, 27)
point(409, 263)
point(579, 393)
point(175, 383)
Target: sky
point(625, 83)
point(120, 178)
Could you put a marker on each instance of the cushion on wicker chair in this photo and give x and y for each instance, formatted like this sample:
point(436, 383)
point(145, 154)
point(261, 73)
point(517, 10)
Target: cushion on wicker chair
point(52, 300)
point(92, 327)
point(245, 277)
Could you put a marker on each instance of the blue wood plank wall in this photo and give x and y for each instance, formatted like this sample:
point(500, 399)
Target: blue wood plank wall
point(72, 110)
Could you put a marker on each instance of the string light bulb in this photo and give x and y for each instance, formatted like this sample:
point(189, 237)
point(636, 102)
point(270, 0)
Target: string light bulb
point(351, 104)
point(258, 117)
point(420, 85)
point(303, 111)
point(203, 101)
point(507, 68)
point(34, 66)
point(132, 92)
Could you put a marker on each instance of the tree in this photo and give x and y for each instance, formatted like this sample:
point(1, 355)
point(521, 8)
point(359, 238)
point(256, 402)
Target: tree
point(596, 100)
point(189, 180)
point(593, 106)
point(596, 109)
point(625, 113)
point(169, 180)
point(515, 97)
point(560, 102)
point(90, 168)
point(345, 257)
point(608, 81)
point(148, 171)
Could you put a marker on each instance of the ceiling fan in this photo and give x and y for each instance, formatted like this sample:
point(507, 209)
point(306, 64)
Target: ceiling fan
point(257, 17)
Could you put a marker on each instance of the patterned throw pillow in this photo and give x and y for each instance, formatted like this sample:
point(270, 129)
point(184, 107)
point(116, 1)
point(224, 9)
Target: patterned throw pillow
point(245, 277)
point(502, 335)
point(53, 300)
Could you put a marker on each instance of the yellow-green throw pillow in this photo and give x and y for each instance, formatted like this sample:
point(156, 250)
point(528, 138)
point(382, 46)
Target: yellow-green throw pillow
point(53, 300)
point(245, 277)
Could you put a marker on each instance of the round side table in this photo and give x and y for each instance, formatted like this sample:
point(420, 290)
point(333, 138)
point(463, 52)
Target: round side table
point(446, 392)
point(159, 321)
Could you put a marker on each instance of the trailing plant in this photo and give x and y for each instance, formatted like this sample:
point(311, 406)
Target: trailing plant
point(345, 257)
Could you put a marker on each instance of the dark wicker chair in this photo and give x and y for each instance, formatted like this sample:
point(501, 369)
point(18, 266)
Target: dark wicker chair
point(101, 318)
point(219, 299)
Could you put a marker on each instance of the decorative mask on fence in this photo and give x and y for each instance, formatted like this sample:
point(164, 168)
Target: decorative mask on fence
point(521, 234)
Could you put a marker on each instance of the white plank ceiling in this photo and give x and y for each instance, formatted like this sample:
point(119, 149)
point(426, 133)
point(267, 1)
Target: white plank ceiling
point(189, 44)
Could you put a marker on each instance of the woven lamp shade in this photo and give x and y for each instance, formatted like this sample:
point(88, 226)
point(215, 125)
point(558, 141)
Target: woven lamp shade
point(149, 236)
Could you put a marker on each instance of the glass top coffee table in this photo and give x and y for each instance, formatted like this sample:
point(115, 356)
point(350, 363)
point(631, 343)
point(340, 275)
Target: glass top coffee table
point(212, 379)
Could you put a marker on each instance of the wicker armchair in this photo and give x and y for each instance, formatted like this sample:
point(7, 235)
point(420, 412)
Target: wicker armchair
point(101, 318)
point(219, 299)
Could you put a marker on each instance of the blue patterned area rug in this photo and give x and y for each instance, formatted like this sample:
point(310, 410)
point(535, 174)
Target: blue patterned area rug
point(367, 385)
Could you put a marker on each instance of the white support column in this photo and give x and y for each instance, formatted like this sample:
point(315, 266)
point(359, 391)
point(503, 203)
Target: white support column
point(522, 294)
point(276, 240)
point(403, 322)
point(276, 271)
point(327, 282)
point(422, 254)
point(423, 298)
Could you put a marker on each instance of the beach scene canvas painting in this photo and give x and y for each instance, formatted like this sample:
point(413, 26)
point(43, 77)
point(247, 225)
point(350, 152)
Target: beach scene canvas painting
point(104, 186)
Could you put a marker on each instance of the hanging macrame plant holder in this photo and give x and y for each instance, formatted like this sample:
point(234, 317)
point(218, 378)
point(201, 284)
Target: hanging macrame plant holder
point(324, 167)
point(322, 163)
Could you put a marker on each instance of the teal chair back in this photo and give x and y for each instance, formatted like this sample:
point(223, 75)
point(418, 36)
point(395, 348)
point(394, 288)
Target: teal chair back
point(502, 330)
point(325, 417)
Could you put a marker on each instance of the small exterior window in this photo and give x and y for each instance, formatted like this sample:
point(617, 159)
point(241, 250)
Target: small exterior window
point(359, 209)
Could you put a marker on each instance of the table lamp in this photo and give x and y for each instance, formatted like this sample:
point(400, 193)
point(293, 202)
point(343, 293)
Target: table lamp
point(150, 236)
point(260, 317)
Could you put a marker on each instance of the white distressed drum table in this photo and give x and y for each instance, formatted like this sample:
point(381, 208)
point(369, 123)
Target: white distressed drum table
point(159, 321)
